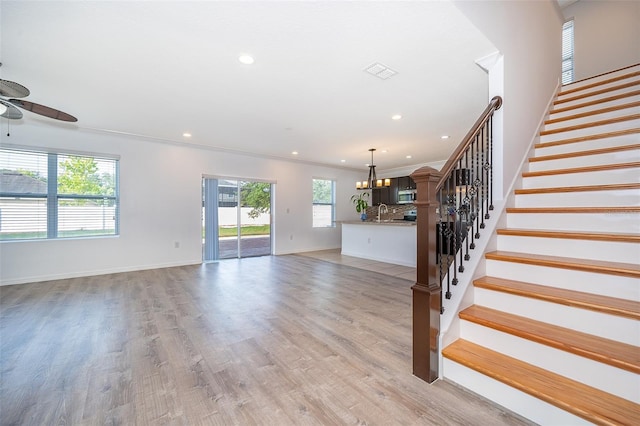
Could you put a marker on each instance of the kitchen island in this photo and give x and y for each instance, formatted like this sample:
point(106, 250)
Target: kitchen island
point(385, 241)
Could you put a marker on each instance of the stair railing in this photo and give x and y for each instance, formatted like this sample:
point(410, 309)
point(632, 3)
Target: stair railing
point(452, 206)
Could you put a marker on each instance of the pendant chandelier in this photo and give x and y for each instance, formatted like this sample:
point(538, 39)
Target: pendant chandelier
point(372, 181)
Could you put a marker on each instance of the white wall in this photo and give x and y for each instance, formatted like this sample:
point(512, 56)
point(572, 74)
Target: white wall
point(606, 35)
point(160, 190)
point(528, 34)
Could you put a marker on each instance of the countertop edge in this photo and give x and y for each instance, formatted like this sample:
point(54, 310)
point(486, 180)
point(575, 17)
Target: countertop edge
point(374, 223)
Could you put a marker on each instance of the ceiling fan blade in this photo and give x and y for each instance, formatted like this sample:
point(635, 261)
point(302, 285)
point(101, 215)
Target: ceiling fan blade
point(43, 110)
point(12, 113)
point(11, 89)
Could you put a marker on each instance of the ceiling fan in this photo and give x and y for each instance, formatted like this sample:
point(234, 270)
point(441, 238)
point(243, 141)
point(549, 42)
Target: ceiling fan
point(9, 90)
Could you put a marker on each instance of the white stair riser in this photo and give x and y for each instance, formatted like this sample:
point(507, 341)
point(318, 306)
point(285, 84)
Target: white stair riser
point(519, 402)
point(615, 198)
point(592, 118)
point(587, 131)
point(633, 138)
point(610, 379)
point(618, 286)
point(609, 251)
point(596, 79)
point(613, 327)
point(582, 108)
point(601, 222)
point(569, 100)
point(599, 177)
point(588, 160)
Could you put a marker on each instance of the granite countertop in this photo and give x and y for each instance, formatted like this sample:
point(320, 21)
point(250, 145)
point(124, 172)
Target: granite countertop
point(382, 222)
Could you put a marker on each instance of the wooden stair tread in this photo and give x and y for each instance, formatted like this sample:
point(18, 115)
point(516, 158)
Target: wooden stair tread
point(593, 112)
point(573, 235)
point(582, 188)
point(596, 102)
point(577, 398)
point(587, 210)
point(591, 124)
point(569, 89)
point(593, 302)
point(575, 154)
point(597, 92)
point(597, 168)
point(586, 265)
point(607, 351)
point(585, 138)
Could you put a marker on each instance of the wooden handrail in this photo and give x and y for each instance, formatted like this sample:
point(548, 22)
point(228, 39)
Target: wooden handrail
point(427, 291)
point(494, 105)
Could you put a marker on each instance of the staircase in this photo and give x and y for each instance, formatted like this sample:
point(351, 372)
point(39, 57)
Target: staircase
point(554, 331)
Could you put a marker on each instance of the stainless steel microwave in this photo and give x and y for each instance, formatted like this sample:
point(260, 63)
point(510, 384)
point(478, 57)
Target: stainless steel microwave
point(406, 196)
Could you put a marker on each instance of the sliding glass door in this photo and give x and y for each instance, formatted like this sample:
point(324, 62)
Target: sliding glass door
point(236, 218)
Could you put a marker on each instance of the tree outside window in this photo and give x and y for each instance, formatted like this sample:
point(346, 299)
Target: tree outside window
point(323, 203)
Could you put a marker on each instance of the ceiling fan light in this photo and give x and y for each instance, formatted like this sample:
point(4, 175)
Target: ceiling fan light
point(3, 109)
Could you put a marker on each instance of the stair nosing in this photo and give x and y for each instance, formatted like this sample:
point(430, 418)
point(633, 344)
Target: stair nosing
point(587, 169)
point(597, 92)
point(565, 339)
point(575, 154)
point(588, 301)
point(591, 137)
point(572, 235)
point(572, 210)
point(583, 188)
point(591, 124)
point(534, 381)
point(591, 113)
point(598, 83)
point(595, 102)
point(574, 264)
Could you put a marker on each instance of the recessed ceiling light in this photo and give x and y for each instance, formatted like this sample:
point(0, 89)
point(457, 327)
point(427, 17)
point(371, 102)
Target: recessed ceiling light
point(186, 134)
point(294, 152)
point(396, 117)
point(343, 161)
point(246, 59)
point(384, 151)
point(408, 156)
point(444, 137)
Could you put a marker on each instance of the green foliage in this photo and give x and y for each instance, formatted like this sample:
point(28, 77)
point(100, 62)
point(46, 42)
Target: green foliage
point(322, 191)
point(360, 201)
point(80, 176)
point(256, 195)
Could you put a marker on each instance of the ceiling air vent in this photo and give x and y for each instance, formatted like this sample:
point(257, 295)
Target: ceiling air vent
point(381, 71)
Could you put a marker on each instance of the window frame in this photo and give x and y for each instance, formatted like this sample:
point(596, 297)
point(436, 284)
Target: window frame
point(568, 52)
point(52, 197)
point(332, 203)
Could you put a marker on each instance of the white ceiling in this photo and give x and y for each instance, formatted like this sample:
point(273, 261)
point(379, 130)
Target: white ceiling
point(159, 69)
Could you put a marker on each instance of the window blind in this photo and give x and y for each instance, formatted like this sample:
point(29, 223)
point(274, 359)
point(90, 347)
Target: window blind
point(50, 195)
point(567, 52)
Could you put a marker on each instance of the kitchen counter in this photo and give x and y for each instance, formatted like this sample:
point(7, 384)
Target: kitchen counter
point(391, 242)
point(382, 222)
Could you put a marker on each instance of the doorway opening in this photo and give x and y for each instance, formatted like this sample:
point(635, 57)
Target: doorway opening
point(236, 218)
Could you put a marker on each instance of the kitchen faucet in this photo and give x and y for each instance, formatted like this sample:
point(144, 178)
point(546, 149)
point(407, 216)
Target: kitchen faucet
point(386, 210)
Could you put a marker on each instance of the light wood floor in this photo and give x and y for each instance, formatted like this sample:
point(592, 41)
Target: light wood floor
point(274, 340)
point(334, 256)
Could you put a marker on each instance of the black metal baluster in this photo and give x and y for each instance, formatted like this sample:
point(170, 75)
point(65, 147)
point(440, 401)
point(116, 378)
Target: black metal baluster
point(490, 130)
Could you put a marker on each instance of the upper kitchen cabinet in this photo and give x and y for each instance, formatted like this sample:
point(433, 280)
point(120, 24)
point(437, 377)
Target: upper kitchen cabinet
point(385, 195)
point(405, 182)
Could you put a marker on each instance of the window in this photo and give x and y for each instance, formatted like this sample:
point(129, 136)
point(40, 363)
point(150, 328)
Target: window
point(567, 52)
point(324, 204)
point(51, 195)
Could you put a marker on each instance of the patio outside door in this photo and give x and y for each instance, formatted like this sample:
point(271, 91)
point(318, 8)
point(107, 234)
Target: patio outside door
point(236, 218)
